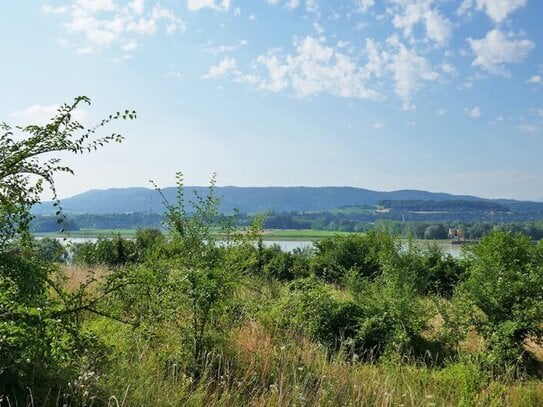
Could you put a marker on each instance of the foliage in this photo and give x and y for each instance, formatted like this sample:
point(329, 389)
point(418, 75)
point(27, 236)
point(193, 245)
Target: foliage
point(504, 287)
point(287, 266)
point(432, 271)
point(40, 336)
point(317, 309)
point(50, 250)
point(186, 283)
point(363, 254)
point(394, 317)
point(24, 166)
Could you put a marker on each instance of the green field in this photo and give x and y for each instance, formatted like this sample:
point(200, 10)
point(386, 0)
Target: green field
point(301, 234)
point(91, 233)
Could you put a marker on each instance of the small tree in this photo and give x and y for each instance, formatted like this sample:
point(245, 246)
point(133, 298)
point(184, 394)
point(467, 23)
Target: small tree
point(505, 288)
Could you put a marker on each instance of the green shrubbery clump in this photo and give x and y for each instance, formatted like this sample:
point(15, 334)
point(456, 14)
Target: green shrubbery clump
point(364, 254)
point(504, 289)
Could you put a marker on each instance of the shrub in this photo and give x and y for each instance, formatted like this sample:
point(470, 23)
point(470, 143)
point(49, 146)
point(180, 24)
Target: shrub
point(287, 266)
point(316, 308)
point(505, 276)
point(363, 254)
point(394, 317)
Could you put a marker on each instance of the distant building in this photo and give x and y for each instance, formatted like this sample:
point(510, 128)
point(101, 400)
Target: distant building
point(456, 234)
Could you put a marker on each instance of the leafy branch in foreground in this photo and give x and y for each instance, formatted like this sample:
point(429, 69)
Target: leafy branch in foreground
point(25, 165)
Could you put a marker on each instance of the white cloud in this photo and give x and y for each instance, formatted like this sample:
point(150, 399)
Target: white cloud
point(528, 128)
point(53, 10)
point(130, 45)
point(441, 112)
point(364, 5)
point(217, 5)
point(475, 113)
point(103, 23)
point(174, 75)
point(497, 49)
point(292, 4)
point(449, 69)
point(316, 68)
point(96, 5)
point(124, 57)
point(408, 70)
point(536, 79)
point(377, 59)
point(138, 6)
point(409, 13)
point(222, 68)
point(378, 125)
point(142, 26)
point(313, 69)
point(497, 10)
point(85, 51)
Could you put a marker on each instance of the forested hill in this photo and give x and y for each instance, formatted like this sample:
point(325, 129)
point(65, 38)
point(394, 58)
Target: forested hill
point(246, 199)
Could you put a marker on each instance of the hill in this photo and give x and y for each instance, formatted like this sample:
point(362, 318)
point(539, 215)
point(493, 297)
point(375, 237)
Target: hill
point(253, 199)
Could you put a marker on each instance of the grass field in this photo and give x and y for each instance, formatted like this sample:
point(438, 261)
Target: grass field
point(91, 233)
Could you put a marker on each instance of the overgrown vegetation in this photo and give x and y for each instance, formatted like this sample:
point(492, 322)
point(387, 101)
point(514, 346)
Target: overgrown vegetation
point(210, 316)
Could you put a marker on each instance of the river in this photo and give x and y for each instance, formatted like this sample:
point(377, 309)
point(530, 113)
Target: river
point(289, 245)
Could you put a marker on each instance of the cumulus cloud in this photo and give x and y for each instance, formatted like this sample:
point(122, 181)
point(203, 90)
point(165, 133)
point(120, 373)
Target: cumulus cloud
point(536, 80)
point(222, 68)
point(449, 69)
point(217, 5)
point(475, 113)
point(497, 49)
point(497, 10)
point(317, 68)
point(292, 4)
point(364, 5)
point(104, 23)
point(528, 128)
point(408, 69)
point(53, 10)
point(409, 13)
point(314, 68)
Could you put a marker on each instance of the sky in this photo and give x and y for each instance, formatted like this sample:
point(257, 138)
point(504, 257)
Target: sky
point(438, 95)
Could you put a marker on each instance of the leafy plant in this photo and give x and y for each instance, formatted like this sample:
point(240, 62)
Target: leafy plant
point(363, 254)
point(40, 339)
point(504, 289)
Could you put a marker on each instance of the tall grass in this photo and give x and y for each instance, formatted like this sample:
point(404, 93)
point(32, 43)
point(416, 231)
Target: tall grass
point(259, 367)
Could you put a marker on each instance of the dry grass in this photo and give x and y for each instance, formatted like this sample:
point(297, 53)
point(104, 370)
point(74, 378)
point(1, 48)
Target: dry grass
point(73, 276)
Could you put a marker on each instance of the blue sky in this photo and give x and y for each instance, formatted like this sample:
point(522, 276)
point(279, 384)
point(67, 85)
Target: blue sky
point(439, 95)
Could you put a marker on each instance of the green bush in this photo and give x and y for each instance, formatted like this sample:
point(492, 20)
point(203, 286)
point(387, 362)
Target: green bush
point(41, 345)
point(394, 317)
point(504, 289)
point(316, 309)
point(363, 254)
point(50, 249)
point(433, 272)
point(287, 266)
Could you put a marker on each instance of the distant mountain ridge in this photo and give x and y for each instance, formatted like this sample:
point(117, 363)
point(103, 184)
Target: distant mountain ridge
point(247, 199)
